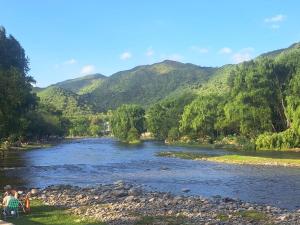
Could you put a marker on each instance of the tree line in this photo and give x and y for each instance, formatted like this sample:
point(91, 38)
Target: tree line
point(261, 110)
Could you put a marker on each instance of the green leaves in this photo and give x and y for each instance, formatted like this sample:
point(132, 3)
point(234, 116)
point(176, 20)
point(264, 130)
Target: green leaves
point(128, 122)
point(16, 98)
point(163, 117)
point(200, 117)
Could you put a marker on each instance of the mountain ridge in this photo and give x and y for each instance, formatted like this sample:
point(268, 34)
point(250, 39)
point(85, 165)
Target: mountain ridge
point(147, 84)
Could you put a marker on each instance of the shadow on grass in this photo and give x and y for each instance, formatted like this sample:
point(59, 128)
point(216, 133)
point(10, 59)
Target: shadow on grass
point(49, 215)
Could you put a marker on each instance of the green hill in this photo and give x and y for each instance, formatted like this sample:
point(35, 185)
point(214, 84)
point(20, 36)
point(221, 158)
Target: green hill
point(148, 84)
point(82, 85)
point(68, 102)
point(275, 53)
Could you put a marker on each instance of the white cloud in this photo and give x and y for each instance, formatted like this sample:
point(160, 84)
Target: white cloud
point(225, 50)
point(243, 55)
point(150, 52)
point(125, 56)
point(70, 62)
point(275, 19)
point(88, 69)
point(199, 49)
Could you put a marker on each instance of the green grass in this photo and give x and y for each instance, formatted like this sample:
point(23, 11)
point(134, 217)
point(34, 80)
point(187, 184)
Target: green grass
point(223, 217)
point(49, 215)
point(253, 215)
point(259, 158)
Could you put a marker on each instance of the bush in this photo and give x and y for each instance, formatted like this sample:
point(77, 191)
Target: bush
point(278, 141)
point(173, 134)
point(133, 135)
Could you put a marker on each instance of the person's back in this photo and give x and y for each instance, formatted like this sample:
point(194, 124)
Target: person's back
point(6, 199)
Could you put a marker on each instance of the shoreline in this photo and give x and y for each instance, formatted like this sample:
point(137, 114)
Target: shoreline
point(284, 159)
point(228, 147)
point(44, 144)
point(126, 204)
point(32, 146)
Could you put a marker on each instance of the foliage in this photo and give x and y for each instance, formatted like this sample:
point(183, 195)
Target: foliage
point(165, 115)
point(128, 122)
point(89, 125)
point(68, 102)
point(173, 134)
point(146, 85)
point(256, 98)
point(278, 141)
point(82, 85)
point(16, 98)
point(199, 118)
point(43, 122)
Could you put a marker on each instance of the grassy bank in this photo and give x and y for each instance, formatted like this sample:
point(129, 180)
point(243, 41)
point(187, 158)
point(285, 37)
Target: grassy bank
point(209, 146)
point(49, 215)
point(267, 158)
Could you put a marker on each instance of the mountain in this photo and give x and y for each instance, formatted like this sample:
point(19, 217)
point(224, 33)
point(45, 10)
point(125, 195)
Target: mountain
point(82, 85)
point(275, 53)
point(148, 84)
point(68, 102)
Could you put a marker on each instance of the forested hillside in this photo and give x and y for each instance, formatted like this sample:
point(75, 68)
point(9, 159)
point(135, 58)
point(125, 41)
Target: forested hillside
point(82, 85)
point(256, 103)
point(64, 100)
point(145, 85)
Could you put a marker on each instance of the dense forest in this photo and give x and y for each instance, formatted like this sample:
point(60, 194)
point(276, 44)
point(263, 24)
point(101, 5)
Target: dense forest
point(252, 105)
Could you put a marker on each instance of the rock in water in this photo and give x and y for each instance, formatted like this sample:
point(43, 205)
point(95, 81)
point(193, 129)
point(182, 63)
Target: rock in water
point(185, 190)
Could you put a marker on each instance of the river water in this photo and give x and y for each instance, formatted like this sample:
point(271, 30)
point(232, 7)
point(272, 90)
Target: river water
point(89, 162)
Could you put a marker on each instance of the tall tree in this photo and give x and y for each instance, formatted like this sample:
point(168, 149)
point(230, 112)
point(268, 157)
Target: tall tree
point(15, 85)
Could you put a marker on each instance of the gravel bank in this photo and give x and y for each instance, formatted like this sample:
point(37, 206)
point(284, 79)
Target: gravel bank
point(125, 204)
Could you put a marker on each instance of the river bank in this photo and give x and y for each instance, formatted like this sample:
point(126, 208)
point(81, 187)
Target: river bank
point(30, 145)
point(125, 204)
point(267, 158)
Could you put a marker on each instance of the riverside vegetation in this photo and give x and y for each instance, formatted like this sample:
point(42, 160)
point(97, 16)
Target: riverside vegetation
point(252, 105)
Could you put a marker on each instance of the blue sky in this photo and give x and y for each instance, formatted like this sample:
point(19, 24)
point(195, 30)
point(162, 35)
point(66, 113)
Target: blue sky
point(66, 39)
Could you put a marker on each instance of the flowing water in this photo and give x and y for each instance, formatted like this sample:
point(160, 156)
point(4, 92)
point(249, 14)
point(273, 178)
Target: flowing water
point(88, 162)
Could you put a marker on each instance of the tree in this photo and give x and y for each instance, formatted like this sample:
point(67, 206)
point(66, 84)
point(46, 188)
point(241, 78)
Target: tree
point(128, 122)
point(256, 99)
point(200, 117)
point(16, 98)
point(165, 115)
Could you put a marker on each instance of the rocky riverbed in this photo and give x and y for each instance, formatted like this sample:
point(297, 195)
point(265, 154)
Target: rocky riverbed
point(126, 204)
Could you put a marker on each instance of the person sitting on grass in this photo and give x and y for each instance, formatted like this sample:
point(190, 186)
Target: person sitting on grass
point(8, 197)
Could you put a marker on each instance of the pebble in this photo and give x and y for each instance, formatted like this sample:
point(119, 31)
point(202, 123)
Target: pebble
point(124, 204)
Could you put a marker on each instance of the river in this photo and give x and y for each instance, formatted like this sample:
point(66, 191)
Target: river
point(87, 162)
